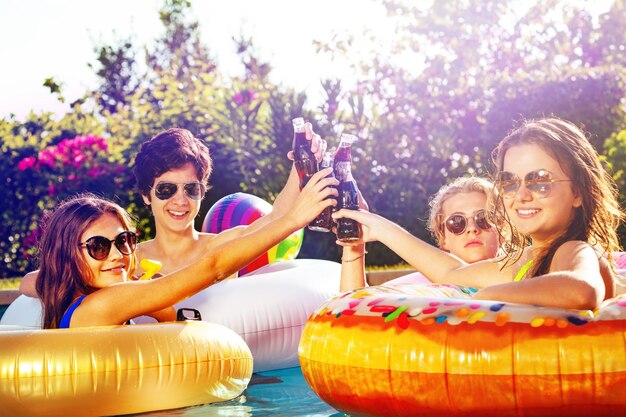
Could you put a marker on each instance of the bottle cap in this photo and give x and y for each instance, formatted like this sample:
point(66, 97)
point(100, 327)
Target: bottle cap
point(298, 122)
point(347, 139)
point(327, 160)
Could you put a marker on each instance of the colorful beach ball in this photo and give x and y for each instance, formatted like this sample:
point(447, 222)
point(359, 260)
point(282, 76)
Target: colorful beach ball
point(242, 209)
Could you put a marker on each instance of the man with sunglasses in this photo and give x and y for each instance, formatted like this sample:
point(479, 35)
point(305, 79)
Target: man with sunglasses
point(172, 171)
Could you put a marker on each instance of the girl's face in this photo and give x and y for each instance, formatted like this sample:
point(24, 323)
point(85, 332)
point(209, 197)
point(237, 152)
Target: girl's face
point(544, 211)
point(115, 267)
point(474, 243)
point(177, 212)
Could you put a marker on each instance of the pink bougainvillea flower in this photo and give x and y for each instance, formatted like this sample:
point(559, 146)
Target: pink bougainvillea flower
point(78, 160)
point(26, 163)
point(238, 99)
point(251, 94)
point(94, 172)
point(244, 97)
point(47, 156)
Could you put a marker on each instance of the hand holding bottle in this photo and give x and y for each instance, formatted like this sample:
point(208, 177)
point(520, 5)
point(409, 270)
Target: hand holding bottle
point(324, 222)
point(372, 225)
point(318, 145)
point(313, 198)
point(347, 229)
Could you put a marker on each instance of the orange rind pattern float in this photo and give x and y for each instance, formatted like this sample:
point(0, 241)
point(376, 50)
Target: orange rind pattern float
point(431, 350)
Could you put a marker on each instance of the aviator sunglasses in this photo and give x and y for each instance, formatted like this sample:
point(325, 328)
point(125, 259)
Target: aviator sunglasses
point(99, 247)
point(538, 182)
point(166, 190)
point(457, 223)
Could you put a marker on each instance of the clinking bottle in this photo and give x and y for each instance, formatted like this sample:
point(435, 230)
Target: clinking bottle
point(304, 158)
point(347, 229)
point(324, 222)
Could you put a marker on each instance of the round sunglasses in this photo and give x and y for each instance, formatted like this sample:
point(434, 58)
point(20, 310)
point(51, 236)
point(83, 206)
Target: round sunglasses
point(457, 223)
point(99, 247)
point(539, 183)
point(166, 190)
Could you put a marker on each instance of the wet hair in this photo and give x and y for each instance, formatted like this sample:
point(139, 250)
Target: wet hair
point(460, 185)
point(63, 268)
point(599, 215)
point(170, 149)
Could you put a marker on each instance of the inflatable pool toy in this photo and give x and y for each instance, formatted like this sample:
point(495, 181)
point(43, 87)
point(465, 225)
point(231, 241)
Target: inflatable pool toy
point(267, 308)
point(150, 267)
point(242, 209)
point(113, 370)
point(431, 350)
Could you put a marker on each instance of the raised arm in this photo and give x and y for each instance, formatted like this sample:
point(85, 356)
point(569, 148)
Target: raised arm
point(119, 302)
point(435, 264)
point(353, 268)
point(353, 259)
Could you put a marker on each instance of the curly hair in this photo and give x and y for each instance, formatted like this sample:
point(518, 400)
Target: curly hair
point(63, 269)
point(599, 215)
point(170, 149)
point(458, 186)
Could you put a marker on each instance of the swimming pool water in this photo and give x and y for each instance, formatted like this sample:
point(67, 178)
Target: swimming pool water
point(280, 393)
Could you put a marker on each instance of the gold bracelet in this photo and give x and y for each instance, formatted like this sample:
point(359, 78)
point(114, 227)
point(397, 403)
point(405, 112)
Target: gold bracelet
point(355, 259)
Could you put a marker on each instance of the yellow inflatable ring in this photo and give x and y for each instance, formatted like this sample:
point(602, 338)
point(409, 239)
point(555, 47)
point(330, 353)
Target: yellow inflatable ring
point(112, 370)
point(430, 350)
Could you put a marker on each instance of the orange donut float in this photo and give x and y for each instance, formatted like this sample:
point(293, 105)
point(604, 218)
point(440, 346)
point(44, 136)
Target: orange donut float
point(431, 350)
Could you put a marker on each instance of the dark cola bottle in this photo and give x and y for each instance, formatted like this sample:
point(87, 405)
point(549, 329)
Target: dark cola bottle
point(303, 157)
point(347, 229)
point(324, 222)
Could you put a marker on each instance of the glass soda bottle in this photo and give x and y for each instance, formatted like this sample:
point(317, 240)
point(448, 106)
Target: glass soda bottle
point(324, 222)
point(347, 229)
point(304, 158)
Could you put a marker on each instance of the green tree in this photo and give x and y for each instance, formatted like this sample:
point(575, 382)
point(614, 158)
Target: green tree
point(116, 69)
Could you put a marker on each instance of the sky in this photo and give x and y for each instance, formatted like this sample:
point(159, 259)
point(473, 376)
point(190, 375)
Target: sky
point(56, 38)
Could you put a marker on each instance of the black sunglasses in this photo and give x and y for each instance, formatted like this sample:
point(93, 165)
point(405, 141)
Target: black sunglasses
point(166, 190)
point(457, 223)
point(538, 182)
point(99, 247)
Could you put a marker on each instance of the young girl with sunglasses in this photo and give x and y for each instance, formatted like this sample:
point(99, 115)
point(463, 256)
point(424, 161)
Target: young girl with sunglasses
point(457, 221)
point(560, 208)
point(87, 255)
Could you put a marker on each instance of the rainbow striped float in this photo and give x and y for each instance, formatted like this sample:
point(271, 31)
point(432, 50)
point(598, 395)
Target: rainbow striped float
point(244, 209)
point(430, 350)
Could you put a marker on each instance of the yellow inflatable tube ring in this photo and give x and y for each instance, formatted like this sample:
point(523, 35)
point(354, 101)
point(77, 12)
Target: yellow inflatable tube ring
point(112, 370)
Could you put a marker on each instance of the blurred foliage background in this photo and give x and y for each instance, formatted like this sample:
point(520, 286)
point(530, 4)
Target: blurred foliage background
point(428, 108)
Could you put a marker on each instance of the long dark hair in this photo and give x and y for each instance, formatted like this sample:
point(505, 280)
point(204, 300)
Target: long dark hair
point(63, 269)
point(599, 215)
